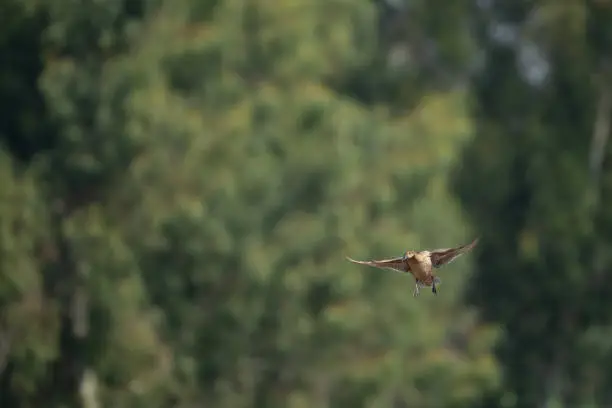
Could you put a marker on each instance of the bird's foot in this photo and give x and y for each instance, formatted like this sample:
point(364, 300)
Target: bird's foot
point(416, 290)
point(434, 287)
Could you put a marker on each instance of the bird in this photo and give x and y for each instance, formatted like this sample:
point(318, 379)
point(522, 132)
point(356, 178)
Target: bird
point(421, 264)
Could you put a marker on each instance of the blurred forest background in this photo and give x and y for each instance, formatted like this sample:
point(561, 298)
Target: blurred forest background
point(180, 181)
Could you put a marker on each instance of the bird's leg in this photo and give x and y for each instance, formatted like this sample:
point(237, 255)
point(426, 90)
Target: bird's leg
point(434, 285)
point(416, 290)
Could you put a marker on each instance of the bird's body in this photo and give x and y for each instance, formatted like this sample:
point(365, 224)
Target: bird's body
point(421, 264)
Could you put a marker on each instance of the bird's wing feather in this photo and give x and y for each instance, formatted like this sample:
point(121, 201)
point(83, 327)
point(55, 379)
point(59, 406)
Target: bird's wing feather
point(444, 256)
point(396, 264)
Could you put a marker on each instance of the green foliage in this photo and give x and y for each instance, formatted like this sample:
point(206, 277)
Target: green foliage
point(272, 183)
point(29, 325)
point(530, 185)
point(184, 225)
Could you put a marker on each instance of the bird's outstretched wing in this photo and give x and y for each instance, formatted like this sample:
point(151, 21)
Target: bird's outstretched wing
point(441, 257)
point(396, 264)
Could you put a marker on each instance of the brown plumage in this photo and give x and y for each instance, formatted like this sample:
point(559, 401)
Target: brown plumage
point(421, 264)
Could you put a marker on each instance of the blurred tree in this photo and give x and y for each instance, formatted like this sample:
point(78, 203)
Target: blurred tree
point(71, 302)
point(256, 179)
point(420, 47)
point(536, 183)
point(183, 180)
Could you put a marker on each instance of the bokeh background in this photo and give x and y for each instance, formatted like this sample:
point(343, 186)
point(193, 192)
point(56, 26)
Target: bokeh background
point(181, 180)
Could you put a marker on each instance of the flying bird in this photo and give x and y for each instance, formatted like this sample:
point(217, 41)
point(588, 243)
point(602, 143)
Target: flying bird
point(421, 264)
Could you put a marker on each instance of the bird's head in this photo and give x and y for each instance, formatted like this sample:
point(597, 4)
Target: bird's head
point(408, 254)
point(437, 281)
